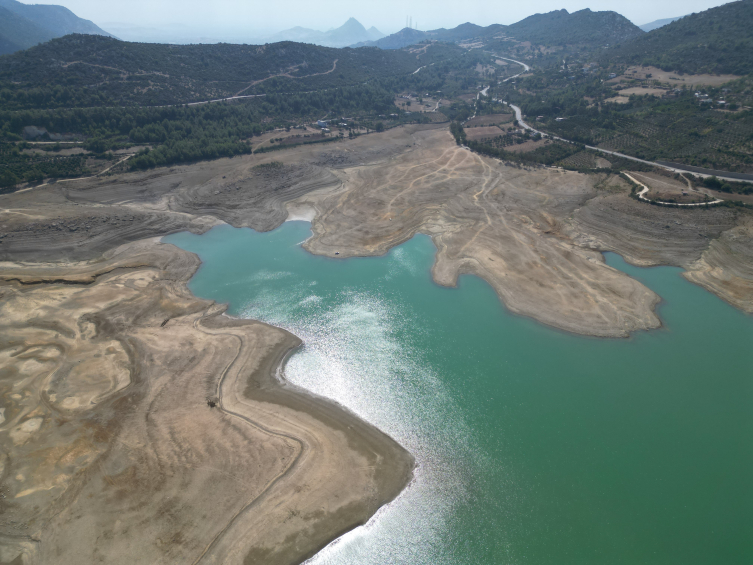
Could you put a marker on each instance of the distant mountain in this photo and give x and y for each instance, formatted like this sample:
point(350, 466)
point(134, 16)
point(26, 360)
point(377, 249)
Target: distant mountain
point(658, 23)
point(349, 33)
point(299, 35)
point(410, 36)
point(374, 34)
point(18, 33)
point(596, 29)
point(398, 40)
point(584, 27)
point(25, 25)
point(719, 41)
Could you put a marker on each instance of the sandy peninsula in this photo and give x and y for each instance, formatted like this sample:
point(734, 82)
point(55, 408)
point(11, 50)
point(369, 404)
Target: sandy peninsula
point(144, 425)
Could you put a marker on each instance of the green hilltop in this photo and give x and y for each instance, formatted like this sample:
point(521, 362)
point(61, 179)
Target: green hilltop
point(719, 40)
point(595, 29)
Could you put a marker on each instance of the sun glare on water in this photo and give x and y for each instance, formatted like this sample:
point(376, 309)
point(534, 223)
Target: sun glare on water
point(354, 355)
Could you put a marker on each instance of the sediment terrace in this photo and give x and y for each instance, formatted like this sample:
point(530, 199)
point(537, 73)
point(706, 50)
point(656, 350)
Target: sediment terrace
point(144, 425)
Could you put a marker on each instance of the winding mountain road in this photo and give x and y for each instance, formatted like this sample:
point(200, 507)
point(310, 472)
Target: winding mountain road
point(524, 125)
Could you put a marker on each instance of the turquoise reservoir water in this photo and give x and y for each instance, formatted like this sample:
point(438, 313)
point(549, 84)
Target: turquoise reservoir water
point(534, 446)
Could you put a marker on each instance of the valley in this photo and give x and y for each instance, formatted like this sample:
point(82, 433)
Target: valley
point(535, 235)
point(150, 422)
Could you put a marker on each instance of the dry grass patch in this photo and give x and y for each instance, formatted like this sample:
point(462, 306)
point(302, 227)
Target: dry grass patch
point(266, 138)
point(484, 69)
point(489, 120)
point(525, 147)
point(641, 91)
point(427, 105)
point(475, 134)
point(676, 79)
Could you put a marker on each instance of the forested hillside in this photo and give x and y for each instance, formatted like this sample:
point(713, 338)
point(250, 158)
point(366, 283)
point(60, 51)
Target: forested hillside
point(109, 95)
point(84, 70)
point(719, 40)
point(90, 90)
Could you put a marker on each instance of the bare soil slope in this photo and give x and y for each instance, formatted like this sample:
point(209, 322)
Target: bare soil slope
point(143, 426)
point(501, 223)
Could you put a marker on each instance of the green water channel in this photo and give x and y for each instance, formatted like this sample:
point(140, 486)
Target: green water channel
point(534, 446)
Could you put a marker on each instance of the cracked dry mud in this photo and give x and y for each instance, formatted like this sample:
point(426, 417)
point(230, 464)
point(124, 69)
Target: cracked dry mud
point(110, 448)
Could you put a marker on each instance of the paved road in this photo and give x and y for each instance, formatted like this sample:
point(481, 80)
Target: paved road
point(485, 90)
point(519, 117)
point(479, 95)
point(526, 68)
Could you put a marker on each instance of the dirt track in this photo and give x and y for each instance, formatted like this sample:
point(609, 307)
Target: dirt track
point(112, 452)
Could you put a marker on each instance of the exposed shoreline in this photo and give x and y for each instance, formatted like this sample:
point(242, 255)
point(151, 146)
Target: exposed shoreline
point(268, 385)
point(328, 446)
point(534, 235)
point(107, 340)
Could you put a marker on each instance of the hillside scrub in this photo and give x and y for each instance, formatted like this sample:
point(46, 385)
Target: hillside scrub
point(717, 41)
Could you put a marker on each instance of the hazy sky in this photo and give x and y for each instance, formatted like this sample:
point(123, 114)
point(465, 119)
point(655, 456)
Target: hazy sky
point(259, 17)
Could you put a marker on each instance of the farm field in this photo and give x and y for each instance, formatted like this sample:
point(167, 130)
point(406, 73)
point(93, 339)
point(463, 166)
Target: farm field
point(490, 120)
point(642, 91)
point(675, 79)
point(483, 132)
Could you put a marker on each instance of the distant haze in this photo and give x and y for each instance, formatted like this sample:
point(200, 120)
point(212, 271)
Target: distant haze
point(249, 20)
